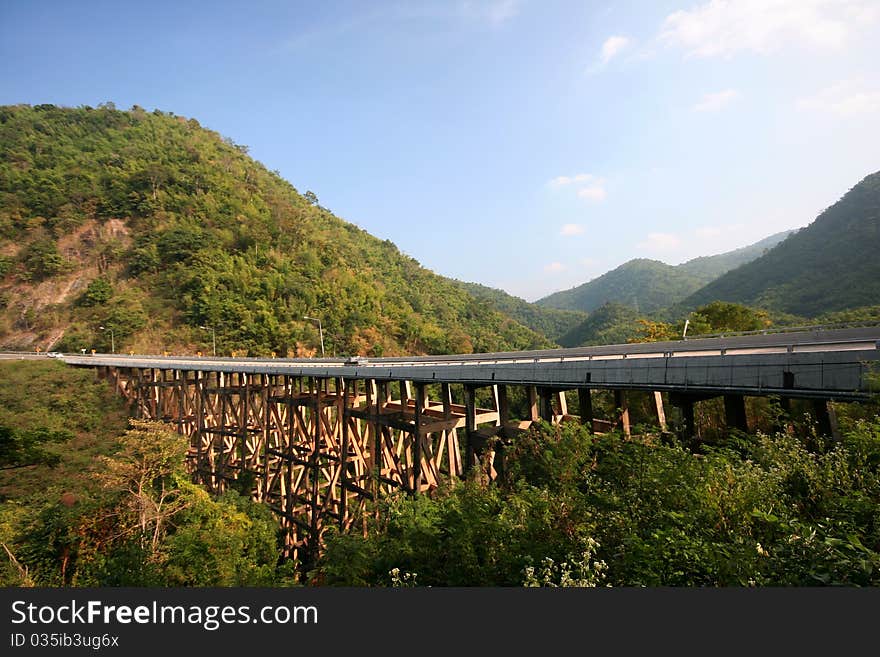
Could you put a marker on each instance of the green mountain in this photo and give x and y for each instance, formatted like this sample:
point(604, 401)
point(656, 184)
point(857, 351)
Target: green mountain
point(611, 323)
point(151, 226)
point(647, 285)
point(830, 265)
point(551, 322)
point(651, 285)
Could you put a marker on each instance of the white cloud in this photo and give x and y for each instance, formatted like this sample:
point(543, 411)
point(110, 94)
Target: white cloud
point(659, 242)
point(572, 229)
point(595, 192)
point(588, 186)
point(726, 27)
point(716, 101)
point(612, 47)
point(494, 12)
point(554, 267)
point(588, 262)
point(844, 99)
point(562, 181)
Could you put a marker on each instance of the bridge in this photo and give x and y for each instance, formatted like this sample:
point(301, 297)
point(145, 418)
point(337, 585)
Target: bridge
point(316, 438)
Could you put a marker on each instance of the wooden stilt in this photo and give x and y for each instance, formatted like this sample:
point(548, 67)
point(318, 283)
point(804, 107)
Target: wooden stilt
point(470, 428)
point(660, 411)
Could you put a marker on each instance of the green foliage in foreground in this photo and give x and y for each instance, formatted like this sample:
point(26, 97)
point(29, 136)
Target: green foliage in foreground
point(22, 449)
point(145, 525)
point(757, 511)
point(60, 420)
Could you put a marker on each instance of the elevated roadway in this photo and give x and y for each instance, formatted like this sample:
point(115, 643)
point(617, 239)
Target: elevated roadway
point(827, 364)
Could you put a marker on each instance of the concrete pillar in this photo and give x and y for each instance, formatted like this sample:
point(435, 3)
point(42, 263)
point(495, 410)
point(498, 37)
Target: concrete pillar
point(826, 418)
point(585, 407)
point(621, 403)
point(735, 412)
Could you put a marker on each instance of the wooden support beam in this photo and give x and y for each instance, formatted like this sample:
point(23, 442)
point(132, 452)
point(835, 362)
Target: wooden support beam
point(417, 438)
point(470, 459)
point(318, 427)
point(266, 381)
point(503, 405)
point(534, 411)
point(244, 408)
point(381, 390)
point(287, 471)
point(659, 410)
point(200, 428)
point(344, 455)
point(561, 402)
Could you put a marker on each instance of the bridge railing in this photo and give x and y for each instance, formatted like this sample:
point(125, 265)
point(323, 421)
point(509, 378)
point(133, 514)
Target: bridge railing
point(787, 329)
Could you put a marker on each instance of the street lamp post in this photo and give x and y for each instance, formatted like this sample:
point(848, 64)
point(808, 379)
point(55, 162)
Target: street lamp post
point(320, 332)
point(213, 337)
point(112, 339)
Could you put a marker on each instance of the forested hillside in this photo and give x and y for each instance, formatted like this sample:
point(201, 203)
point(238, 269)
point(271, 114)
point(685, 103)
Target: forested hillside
point(151, 226)
point(830, 265)
point(613, 323)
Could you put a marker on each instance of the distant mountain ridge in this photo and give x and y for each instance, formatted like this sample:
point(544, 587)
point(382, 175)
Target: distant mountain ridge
point(711, 267)
point(650, 285)
point(551, 322)
point(831, 265)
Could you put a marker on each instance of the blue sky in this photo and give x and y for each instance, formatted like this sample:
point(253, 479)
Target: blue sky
point(525, 145)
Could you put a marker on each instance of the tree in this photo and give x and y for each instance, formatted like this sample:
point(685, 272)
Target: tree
point(652, 331)
point(148, 467)
point(22, 449)
point(42, 259)
point(97, 293)
point(723, 316)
